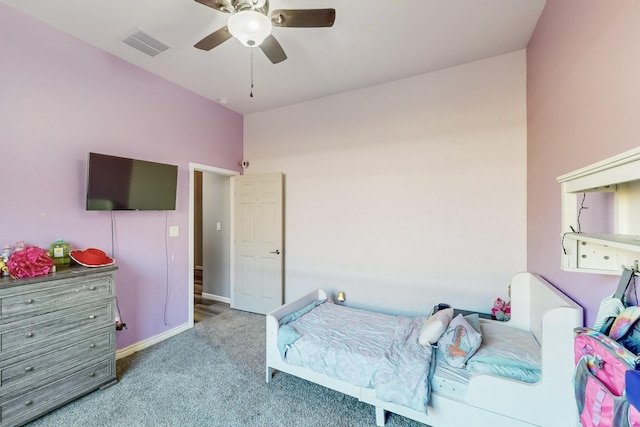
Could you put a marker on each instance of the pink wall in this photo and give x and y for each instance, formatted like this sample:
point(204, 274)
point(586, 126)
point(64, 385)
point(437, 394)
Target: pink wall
point(61, 98)
point(583, 98)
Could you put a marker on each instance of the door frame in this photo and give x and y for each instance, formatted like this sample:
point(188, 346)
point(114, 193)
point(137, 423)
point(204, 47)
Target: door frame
point(193, 167)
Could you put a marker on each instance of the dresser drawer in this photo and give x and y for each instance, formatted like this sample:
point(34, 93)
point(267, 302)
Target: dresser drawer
point(18, 409)
point(43, 330)
point(46, 362)
point(49, 296)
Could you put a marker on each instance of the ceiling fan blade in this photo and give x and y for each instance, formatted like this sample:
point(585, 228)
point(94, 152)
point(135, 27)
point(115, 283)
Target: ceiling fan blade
point(221, 5)
point(273, 50)
point(303, 18)
point(214, 39)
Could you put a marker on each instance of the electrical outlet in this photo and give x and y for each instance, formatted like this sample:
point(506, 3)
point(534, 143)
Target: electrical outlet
point(174, 231)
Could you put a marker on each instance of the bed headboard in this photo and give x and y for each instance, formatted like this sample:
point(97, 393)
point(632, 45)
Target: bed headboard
point(551, 316)
point(531, 298)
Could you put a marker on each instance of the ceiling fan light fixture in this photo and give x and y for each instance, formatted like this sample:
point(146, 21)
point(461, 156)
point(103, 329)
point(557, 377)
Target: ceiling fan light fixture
point(249, 27)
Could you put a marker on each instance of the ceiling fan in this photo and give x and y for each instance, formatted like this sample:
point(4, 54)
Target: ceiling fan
point(251, 23)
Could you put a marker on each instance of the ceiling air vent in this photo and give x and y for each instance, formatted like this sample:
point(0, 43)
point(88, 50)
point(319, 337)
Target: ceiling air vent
point(145, 43)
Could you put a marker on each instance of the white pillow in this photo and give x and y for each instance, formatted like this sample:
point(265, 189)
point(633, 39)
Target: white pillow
point(459, 342)
point(435, 326)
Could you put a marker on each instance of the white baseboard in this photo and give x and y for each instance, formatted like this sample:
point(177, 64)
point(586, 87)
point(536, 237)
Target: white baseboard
point(218, 298)
point(141, 345)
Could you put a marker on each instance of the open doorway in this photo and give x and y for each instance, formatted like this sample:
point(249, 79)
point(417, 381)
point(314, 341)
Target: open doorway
point(210, 241)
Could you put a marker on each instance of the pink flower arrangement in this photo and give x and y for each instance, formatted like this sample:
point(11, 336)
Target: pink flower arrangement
point(29, 262)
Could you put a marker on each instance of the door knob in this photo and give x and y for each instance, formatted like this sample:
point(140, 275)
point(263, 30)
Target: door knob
point(277, 252)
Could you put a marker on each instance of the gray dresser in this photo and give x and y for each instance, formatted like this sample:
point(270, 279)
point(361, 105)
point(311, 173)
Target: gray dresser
point(57, 340)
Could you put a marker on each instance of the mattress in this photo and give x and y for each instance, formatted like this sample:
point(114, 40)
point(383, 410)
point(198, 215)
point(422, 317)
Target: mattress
point(383, 354)
point(505, 351)
point(448, 381)
point(381, 351)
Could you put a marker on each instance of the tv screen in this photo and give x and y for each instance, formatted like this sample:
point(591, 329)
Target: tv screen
point(119, 183)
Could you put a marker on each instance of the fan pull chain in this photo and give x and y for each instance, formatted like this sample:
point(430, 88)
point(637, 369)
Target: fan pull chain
point(251, 94)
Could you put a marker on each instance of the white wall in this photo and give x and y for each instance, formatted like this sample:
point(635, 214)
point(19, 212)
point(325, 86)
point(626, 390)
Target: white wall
point(215, 243)
point(405, 194)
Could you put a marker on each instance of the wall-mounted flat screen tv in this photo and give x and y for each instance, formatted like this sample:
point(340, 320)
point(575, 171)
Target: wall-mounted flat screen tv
point(119, 183)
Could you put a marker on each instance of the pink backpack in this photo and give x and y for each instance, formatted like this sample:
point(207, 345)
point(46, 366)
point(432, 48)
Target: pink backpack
point(601, 364)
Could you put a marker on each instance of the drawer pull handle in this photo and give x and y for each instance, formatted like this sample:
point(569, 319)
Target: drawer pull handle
point(92, 288)
point(29, 334)
point(28, 402)
point(92, 346)
point(28, 301)
point(92, 374)
point(93, 316)
point(28, 369)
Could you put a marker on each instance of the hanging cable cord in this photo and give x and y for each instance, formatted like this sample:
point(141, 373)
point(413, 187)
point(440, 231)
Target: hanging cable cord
point(113, 246)
point(122, 324)
point(251, 93)
point(582, 207)
point(166, 256)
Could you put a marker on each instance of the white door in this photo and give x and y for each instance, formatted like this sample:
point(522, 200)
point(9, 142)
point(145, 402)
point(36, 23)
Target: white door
point(258, 252)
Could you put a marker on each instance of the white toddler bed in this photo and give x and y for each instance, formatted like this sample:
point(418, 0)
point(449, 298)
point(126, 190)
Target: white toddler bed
point(488, 400)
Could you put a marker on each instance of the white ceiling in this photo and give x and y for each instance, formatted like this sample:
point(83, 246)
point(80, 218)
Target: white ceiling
point(371, 42)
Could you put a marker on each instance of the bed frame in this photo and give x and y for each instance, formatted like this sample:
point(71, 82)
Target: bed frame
point(536, 306)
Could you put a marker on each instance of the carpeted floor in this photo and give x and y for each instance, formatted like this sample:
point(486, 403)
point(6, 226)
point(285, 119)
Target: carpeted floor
point(212, 375)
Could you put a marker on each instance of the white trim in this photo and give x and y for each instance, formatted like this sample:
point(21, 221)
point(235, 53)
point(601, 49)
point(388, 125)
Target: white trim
point(204, 168)
point(214, 169)
point(141, 345)
point(602, 254)
point(218, 298)
point(620, 168)
point(232, 240)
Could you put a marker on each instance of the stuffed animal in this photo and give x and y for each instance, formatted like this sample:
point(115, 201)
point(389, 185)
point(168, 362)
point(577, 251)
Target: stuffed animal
point(501, 310)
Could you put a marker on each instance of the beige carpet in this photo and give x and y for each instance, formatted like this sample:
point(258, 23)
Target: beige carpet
point(209, 376)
